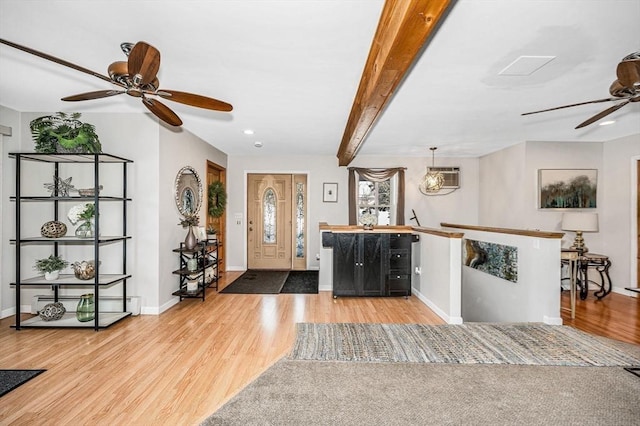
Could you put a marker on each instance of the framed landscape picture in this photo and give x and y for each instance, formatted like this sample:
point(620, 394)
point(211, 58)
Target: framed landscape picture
point(567, 188)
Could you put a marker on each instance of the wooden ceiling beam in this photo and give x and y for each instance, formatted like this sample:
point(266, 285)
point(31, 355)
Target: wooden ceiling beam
point(403, 29)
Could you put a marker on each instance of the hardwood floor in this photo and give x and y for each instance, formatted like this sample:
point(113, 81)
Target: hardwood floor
point(179, 367)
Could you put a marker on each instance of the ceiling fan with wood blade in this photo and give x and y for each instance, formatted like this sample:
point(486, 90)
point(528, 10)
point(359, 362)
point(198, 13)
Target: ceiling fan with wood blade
point(136, 77)
point(625, 88)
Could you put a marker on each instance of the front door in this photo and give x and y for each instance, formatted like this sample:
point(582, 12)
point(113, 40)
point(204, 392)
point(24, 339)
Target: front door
point(217, 173)
point(269, 224)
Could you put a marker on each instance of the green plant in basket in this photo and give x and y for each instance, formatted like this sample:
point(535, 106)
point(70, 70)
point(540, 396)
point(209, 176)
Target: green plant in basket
point(64, 133)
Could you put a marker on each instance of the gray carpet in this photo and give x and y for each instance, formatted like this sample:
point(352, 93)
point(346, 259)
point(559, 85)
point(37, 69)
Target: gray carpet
point(470, 343)
point(257, 282)
point(358, 393)
point(11, 379)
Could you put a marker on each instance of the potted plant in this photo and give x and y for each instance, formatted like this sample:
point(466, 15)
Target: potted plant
point(211, 233)
point(64, 133)
point(51, 267)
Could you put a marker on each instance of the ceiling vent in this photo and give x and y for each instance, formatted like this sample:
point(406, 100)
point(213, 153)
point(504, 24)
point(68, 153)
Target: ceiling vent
point(451, 176)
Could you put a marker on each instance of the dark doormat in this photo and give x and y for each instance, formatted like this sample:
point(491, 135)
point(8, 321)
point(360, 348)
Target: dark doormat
point(11, 379)
point(302, 282)
point(257, 282)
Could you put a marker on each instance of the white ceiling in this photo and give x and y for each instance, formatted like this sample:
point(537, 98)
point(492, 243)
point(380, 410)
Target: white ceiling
point(291, 69)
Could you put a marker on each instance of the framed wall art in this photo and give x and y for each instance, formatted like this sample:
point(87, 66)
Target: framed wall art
point(567, 188)
point(329, 192)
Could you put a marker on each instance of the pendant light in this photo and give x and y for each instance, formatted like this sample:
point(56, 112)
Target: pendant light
point(433, 181)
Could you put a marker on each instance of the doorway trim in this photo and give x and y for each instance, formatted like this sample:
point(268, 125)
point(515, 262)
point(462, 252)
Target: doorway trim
point(633, 252)
point(245, 183)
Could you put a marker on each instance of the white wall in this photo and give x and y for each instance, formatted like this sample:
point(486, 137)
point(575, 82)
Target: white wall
point(152, 216)
point(178, 149)
point(460, 206)
point(318, 170)
point(618, 215)
point(509, 184)
point(133, 136)
point(439, 284)
point(535, 297)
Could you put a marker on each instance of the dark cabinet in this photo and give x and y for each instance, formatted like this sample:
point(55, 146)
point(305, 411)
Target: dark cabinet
point(371, 264)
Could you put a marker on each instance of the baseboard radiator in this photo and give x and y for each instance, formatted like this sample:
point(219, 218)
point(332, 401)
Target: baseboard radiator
point(107, 303)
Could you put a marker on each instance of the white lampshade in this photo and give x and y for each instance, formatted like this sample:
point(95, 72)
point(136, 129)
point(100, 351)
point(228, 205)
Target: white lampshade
point(580, 221)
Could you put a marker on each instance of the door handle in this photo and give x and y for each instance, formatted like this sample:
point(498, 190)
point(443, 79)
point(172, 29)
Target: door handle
point(250, 229)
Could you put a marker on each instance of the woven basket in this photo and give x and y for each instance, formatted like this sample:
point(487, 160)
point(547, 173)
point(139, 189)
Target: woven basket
point(53, 229)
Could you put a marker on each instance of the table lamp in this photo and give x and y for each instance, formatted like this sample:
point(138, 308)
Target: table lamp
point(580, 222)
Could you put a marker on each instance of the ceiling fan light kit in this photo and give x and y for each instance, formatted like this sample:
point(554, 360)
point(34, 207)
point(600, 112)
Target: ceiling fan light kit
point(625, 88)
point(136, 77)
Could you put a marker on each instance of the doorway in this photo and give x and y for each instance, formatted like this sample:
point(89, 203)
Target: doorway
point(276, 221)
point(217, 173)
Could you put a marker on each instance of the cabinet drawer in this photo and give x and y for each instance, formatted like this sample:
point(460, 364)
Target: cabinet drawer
point(399, 241)
point(400, 260)
point(399, 284)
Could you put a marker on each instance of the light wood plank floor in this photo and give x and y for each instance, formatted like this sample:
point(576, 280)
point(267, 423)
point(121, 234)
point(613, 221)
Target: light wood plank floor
point(179, 367)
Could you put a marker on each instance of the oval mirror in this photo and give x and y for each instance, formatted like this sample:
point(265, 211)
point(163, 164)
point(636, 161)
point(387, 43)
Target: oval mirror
point(188, 191)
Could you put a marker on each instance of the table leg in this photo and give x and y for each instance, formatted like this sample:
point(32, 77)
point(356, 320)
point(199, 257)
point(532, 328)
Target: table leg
point(573, 267)
point(605, 279)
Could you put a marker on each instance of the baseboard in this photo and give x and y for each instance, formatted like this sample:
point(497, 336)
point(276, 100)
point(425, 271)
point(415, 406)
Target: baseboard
point(624, 291)
point(439, 312)
point(6, 313)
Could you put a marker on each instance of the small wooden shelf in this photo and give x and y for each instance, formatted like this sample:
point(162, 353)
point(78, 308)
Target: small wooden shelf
point(70, 279)
point(206, 255)
point(69, 320)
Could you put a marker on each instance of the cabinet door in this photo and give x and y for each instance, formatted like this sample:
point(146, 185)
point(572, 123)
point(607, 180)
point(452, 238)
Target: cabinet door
point(345, 247)
point(371, 279)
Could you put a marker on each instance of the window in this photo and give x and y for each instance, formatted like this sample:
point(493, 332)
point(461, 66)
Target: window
point(269, 219)
point(376, 192)
point(375, 198)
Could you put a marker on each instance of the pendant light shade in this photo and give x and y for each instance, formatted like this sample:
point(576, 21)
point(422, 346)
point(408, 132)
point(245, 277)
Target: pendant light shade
point(433, 181)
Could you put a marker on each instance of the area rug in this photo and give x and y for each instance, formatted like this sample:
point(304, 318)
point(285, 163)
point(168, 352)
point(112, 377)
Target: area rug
point(257, 282)
point(356, 393)
point(11, 379)
point(471, 343)
point(301, 282)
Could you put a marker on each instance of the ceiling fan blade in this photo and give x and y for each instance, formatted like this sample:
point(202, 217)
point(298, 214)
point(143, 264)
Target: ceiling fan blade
point(59, 61)
point(143, 63)
point(629, 73)
point(572, 105)
point(93, 95)
point(617, 89)
point(602, 114)
point(194, 100)
point(162, 111)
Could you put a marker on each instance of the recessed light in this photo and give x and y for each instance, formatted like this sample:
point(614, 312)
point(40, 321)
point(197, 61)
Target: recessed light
point(606, 123)
point(248, 132)
point(258, 144)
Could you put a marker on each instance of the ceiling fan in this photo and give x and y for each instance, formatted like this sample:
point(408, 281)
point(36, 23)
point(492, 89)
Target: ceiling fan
point(625, 88)
point(136, 77)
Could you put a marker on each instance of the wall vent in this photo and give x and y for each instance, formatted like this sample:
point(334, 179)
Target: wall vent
point(451, 176)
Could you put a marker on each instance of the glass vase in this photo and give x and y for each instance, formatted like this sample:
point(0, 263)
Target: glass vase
point(86, 229)
point(86, 309)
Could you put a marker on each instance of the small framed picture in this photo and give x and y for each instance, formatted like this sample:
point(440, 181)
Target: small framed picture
point(329, 192)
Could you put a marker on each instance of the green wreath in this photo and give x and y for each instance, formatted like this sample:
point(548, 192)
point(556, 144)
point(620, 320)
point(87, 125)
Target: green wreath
point(217, 198)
